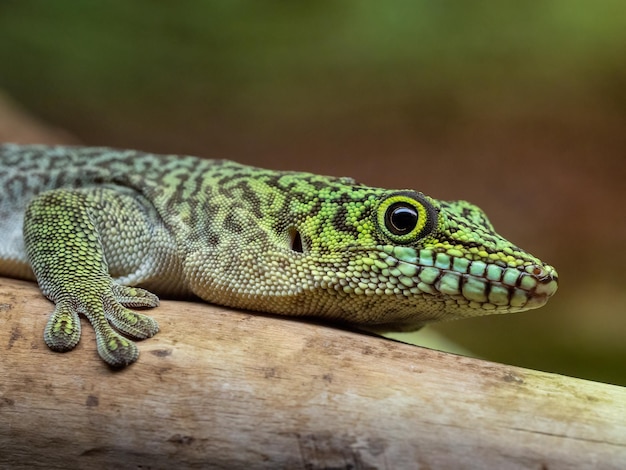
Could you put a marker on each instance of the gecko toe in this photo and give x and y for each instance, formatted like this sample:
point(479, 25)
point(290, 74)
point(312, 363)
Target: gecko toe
point(134, 296)
point(62, 331)
point(133, 324)
point(116, 350)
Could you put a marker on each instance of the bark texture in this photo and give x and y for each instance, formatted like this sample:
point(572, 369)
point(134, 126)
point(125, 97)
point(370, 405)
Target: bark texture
point(225, 389)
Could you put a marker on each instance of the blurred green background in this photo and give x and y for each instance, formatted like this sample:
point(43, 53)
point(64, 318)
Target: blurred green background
point(519, 107)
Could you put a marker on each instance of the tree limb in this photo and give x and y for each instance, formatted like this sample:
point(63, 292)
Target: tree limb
point(227, 389)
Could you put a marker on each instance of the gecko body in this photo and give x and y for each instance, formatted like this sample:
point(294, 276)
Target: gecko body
point(101, 229)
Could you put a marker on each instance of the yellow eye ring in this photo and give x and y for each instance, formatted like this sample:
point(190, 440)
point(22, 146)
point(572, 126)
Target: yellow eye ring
point(405, 217)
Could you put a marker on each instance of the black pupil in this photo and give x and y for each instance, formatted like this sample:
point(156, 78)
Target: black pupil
point(401, 218)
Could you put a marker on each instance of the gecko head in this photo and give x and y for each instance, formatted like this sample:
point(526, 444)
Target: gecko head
point(402, 258)
point(302, 244)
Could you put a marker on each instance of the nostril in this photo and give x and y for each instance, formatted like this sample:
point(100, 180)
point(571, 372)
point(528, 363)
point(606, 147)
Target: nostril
point(542, 273)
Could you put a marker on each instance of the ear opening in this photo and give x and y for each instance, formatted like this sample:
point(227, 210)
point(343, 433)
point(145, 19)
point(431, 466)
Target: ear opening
point(295, 240)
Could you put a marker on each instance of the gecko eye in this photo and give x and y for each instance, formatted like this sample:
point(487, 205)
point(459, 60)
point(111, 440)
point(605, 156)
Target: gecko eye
point(401, 218)
point(406, 216)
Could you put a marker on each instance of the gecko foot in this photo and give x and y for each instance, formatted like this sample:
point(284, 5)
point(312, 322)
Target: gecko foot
point(62, 331)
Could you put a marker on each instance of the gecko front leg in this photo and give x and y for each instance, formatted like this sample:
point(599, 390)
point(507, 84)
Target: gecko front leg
point(62, 232)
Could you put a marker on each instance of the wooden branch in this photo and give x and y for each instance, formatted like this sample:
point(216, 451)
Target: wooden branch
point(226, 389)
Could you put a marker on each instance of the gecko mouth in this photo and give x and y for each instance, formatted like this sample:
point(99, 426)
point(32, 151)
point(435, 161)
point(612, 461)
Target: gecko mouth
point(503, 289)
point(485, 285)
point(493, 286)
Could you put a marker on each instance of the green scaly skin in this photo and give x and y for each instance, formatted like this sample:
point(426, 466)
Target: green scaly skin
point(91, 224)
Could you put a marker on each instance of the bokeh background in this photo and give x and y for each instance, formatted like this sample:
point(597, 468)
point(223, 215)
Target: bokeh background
point(519, 107)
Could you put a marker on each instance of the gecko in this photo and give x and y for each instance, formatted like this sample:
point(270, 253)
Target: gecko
point(104, 231)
